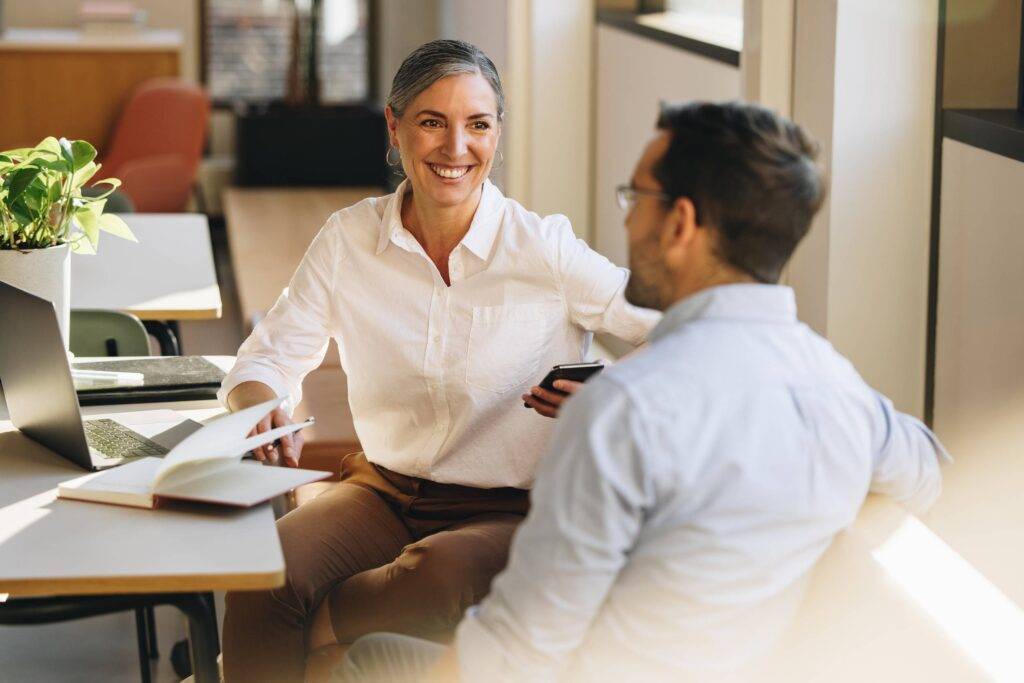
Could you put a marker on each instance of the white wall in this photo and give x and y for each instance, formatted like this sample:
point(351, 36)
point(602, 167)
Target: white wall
point(979, 373)
point(634, 75)
point(864, 85)
point(403, 25)
point(979, 368)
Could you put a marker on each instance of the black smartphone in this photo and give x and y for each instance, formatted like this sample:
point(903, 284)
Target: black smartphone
point(576, 372)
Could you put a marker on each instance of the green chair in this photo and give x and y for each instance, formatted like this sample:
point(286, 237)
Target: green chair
point(97, 332)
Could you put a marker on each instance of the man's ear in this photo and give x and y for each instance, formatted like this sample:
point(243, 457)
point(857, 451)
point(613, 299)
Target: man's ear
point(680, 230)
point(392, 120)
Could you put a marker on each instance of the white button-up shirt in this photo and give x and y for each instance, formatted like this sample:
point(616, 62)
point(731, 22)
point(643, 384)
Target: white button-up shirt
point(686, 492)
point(435, 372)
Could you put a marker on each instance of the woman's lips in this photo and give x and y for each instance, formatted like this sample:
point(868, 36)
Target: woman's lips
point(449, 172)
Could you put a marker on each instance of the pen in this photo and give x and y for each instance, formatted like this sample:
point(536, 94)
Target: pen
point(108, 375)
point(305, 423)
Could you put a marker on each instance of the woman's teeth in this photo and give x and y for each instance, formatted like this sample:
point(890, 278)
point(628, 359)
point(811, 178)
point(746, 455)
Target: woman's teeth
point(449, 172)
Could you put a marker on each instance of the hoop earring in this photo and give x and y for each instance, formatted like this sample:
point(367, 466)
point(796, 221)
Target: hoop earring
point(387, 157)
point(500, 162)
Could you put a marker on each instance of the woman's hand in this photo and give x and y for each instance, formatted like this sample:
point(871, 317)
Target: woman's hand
point(548, 403)
point(288, 447)
point(286, 450)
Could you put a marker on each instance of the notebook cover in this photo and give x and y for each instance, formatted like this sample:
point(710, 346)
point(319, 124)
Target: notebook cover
point(166, 378)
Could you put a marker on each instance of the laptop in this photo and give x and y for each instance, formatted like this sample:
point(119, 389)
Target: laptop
point(40, 392)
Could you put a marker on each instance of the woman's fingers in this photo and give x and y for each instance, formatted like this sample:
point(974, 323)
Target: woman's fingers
point(555, 398)
point(542, 407)
point(548, 403)
point(260, 452)
point(568, 386)
point(287, 448)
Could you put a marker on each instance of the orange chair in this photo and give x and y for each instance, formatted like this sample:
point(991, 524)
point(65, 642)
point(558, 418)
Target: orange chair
point(157, 144)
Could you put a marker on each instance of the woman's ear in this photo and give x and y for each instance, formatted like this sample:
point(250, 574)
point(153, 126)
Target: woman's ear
point(392, 120)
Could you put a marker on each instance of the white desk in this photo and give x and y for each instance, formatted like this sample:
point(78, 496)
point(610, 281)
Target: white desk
point(167, 275)
point(135, 557)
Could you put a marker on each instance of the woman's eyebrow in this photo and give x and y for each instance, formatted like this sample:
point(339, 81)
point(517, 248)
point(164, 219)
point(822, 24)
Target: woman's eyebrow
point(437, 114)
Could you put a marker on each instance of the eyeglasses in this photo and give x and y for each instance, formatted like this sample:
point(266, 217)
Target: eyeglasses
point(625, 196)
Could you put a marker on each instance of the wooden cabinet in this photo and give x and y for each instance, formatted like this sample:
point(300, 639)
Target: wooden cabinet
point(68, 84)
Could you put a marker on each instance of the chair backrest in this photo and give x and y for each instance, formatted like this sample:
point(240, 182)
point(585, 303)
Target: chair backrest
point(97, 332)
point(158, 142)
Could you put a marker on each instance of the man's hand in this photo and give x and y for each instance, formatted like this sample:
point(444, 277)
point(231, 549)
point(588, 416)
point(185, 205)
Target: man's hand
point(289, 446)
point(548, 403)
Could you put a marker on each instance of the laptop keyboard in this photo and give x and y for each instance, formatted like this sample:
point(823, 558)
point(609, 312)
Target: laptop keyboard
point(114, 440)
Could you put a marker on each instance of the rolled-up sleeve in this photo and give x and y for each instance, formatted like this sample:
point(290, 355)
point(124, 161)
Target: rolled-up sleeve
point(292, 338)
point(587, 508)
point(594, 288)
point(908, 459)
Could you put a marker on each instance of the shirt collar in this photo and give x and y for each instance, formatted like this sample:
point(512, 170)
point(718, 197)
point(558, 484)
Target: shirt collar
point(482, 231)
point(750, 302)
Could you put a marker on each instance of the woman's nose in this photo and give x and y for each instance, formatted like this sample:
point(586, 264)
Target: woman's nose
point(455, 143)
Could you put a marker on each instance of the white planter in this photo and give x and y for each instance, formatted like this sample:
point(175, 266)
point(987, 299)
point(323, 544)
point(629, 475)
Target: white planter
point(43, 272)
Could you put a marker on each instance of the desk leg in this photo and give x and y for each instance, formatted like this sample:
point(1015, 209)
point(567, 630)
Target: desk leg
point(143, 644)
point(202, 634)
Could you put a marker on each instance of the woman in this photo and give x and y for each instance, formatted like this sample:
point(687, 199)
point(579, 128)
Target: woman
point(447, 300)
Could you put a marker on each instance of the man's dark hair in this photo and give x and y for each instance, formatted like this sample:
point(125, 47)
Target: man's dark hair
point(750, 173)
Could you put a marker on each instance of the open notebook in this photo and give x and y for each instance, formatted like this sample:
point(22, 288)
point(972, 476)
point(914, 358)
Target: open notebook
point(206, 466)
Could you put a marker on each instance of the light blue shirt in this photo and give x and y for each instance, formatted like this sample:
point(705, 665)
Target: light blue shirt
point(687, 492)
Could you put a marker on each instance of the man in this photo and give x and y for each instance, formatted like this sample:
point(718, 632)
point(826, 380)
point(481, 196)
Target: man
point(689, 489)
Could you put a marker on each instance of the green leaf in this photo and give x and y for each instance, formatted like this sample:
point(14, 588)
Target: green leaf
point(34, 195)
point(21, 214)
point(113, 224)
point(19, 182)
point(82, 153)
point(95, 205)
point(82, 246)
point(58, 164)
point(53, 194)
point(66, 152)
point(83, 174)
point(49, 144)
point(90, 225)
point(113, 182)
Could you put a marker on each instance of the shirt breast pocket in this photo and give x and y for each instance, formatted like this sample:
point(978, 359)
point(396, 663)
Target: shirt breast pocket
point(506, 344)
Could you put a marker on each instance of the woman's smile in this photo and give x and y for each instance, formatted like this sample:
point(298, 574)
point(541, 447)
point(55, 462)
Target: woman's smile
point(449, 173)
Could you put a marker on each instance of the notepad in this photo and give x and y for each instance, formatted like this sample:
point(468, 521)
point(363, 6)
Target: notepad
point(165, 378)
point(206, 467)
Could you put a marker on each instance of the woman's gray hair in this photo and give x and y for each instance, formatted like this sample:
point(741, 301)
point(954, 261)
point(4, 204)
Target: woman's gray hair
point(436, 60)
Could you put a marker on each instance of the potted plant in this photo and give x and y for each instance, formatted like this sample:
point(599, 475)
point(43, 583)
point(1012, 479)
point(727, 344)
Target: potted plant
point(44, 216)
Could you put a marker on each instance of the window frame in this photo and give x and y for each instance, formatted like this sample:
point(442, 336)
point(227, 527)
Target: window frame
point(372, 57)
point(626, 19)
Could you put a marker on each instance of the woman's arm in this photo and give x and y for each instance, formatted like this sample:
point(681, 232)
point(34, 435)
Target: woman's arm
point(594, 288)
point(287, 343)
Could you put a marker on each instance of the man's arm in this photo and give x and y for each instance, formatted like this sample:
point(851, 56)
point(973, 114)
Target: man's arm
point(907, 459)
point(592, 491)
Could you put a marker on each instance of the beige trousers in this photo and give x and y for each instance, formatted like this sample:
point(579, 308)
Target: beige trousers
point(387, 552)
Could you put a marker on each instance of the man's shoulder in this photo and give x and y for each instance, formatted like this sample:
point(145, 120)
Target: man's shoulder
point(650, 385)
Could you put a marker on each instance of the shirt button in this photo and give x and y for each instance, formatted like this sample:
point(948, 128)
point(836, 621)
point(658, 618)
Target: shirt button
point(437, 339)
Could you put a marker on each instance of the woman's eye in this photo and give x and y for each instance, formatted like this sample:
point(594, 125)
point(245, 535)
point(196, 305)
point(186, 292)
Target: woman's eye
point(430, 123)
point(481, 125)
